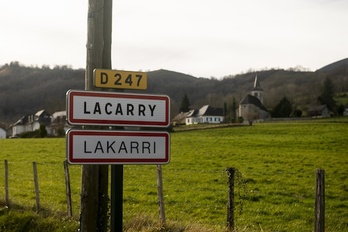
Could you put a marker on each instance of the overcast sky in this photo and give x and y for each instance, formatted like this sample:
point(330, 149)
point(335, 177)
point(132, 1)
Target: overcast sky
point(203, 38)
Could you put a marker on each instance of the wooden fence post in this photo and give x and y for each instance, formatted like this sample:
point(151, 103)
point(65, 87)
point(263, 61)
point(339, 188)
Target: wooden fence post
point(36, 182)
point(68, 189)
point(160, 195)
point(230, 202)
point(319, 223)
point(7, 199)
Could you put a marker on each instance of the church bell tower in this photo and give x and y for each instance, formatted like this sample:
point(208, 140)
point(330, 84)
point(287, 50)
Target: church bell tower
point(257, 91)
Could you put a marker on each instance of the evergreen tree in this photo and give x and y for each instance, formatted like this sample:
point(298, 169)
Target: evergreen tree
point(234, 107)
point(42, 131)
point(327, 95)
point(283, 109)
point(297, 113)
point(340, 109)
point(185, 104)
point(225, 112)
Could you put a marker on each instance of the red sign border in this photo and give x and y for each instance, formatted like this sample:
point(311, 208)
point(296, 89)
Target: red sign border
point(72, 121)
point(70, 156)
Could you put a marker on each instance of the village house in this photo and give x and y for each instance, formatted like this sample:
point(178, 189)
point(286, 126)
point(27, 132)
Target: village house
point(345, 112)
point(19, 127)
point(55, 124)
point(205, 114)
point(3, 132)
point(58, 123)
point(320, 111)
point(251, 107)
point(30, 123)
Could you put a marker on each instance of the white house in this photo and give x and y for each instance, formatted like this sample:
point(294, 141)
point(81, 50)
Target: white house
point(2, 132)
point(205, 114)
point(345, 112)
point(19, 126)
point(29, 123)
point(59, 123)
point(41, 117)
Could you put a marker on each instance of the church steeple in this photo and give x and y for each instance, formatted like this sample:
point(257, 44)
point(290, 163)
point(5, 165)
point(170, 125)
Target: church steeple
point(257, 91)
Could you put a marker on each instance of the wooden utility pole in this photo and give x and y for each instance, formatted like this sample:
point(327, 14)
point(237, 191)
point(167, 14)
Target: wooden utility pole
point(94, 189)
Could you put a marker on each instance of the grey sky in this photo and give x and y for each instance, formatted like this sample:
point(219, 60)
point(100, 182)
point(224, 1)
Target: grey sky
point(198, 37)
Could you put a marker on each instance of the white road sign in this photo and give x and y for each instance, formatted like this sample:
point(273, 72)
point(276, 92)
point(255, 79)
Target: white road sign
point(110, 108)
point(117, 147)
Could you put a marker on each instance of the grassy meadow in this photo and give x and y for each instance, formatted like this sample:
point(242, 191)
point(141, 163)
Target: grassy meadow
point(275, 181)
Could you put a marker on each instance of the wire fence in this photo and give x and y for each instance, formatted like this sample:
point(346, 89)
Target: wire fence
point(202, 195)
point(140, 186)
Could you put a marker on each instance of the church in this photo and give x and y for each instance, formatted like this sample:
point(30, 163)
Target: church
point(251, 107)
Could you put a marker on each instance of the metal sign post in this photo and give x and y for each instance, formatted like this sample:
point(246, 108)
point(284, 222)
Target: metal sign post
point(116, 198)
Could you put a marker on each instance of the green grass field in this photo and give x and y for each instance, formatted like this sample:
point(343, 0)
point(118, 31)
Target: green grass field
point(275, 183)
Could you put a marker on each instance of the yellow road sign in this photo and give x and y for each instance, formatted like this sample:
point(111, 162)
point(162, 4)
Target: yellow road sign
point(115, 79)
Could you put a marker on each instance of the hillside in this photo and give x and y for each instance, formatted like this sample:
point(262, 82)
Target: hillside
point(337, 67)
point(25, 90)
